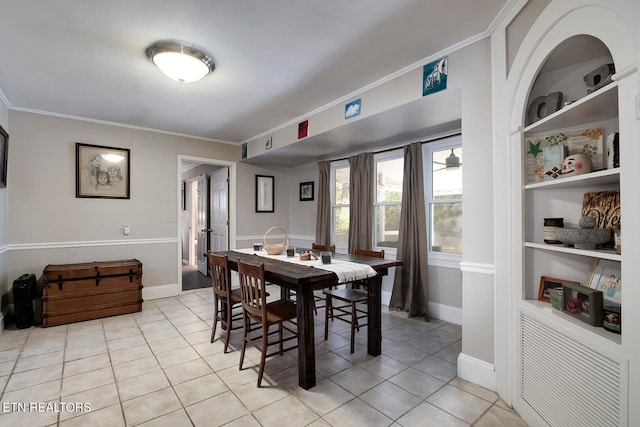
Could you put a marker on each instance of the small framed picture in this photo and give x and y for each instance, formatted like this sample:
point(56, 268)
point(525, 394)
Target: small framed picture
point(306, 191)
point(4, 145)
point(547, 284)
point(605, 277)
point(102, 172)
point(264, 193)
point(352, 109)
point(583, 303)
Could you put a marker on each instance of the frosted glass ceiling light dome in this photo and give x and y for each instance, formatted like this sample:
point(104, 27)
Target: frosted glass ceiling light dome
point(184, 63)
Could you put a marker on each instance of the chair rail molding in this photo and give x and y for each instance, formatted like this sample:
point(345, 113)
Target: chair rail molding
point(477, 267)
point(89, 243)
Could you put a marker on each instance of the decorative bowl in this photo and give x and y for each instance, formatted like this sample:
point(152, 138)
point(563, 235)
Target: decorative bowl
point(583, 238)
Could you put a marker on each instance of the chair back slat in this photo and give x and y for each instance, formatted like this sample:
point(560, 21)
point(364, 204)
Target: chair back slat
point(252, 285)
point(326, 248)
point(364, 252)
point(220, 274)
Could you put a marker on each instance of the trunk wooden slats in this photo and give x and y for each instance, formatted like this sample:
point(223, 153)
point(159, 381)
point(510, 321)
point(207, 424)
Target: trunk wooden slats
point(84, 291)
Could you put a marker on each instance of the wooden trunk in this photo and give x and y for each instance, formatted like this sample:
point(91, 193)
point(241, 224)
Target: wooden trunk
point(76, 292)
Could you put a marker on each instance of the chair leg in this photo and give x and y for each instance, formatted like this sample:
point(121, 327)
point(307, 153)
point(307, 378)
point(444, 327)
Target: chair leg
point(215, 317)
point(244, 338)
point(229, 324)
point(328, 308)
point(354, 319)
point(265, 332)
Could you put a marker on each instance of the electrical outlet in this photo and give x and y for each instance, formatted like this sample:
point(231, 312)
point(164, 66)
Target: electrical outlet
point(126, 230)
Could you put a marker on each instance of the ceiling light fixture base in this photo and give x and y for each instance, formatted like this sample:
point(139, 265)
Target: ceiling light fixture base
point(180, 61)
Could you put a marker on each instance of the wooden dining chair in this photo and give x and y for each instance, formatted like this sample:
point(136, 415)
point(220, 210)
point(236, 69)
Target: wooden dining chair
point(224, 298)
point(255, 306)
point(351, 311)
point(366, 252)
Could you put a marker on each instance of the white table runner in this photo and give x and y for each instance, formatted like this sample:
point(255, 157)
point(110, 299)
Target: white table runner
point(346, 271)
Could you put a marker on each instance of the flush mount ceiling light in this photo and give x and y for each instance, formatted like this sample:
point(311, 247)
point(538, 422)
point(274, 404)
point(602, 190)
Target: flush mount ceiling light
point(181, 62)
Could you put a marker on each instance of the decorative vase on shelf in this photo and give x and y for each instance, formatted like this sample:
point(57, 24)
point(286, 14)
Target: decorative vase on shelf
point(576, 164)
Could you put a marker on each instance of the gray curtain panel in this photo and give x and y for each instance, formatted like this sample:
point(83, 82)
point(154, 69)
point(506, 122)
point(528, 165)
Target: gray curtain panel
point(323, 215)
point(360, 201)
point(410, 292)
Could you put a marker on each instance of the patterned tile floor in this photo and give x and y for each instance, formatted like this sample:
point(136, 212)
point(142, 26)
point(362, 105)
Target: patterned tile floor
point(157, 368)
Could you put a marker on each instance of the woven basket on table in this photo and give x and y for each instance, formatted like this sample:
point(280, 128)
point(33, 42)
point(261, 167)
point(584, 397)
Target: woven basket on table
point(277, 248)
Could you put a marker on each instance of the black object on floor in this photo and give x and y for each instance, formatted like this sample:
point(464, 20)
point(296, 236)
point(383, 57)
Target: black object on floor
point(25, 289)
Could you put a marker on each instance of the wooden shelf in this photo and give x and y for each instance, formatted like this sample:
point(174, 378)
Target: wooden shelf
point(595, 253)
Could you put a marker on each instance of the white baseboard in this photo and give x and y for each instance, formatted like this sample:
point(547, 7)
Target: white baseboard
point(161, 291)
point(477, 371)
point(437, 311)
point(447, 313)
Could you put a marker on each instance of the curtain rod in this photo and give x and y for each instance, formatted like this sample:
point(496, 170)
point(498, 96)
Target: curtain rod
point(386, 150)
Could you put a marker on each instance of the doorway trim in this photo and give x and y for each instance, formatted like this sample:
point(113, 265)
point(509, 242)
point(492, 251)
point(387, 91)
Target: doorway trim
point(232, 204)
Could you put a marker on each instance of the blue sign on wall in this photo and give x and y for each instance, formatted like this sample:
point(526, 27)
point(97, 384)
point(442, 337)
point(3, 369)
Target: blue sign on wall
point(352, 109)
point(434, 76)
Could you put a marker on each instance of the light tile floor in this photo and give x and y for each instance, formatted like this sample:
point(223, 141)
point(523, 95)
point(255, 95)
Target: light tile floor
point(157, 368)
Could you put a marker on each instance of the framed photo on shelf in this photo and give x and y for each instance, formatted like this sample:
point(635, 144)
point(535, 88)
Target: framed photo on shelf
point(102, 172)
point(547, 284)
point(306, 191)
point(605, 277)
point(4, 145)
point(264, 193)
point(583, 303)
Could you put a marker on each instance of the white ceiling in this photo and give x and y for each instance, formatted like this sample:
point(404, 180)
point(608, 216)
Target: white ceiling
point(276, 60)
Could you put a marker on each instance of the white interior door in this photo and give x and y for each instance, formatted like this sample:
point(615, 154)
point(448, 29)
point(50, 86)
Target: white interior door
point(203, 223)
point(219, 210)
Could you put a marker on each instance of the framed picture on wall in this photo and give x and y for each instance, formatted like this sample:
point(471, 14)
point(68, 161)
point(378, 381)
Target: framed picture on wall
point(4, 144)
point(102, 172)
point(264, 193)
point(306, 191)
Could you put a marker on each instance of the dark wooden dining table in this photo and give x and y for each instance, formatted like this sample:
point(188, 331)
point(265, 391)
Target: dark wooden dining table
point(303, 280)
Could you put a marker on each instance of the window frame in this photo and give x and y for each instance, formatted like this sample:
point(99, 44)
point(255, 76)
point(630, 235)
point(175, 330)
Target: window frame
point(340, 164)
point(438, 259)
point(391, 154)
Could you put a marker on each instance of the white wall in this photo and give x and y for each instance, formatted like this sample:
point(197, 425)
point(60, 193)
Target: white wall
point(252, 226)
point(49, 225)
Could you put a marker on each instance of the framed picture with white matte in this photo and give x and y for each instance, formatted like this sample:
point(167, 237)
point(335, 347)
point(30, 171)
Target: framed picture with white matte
point(102, 172)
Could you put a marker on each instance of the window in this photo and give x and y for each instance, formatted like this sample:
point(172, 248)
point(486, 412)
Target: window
point(442, 162)
point(443, 187)
point(340, 203)
point(388, 197)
